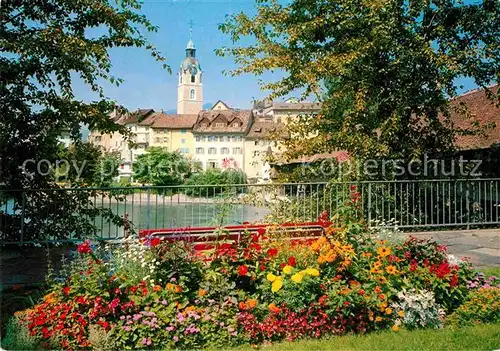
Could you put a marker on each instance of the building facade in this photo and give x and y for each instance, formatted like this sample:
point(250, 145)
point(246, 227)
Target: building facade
point(190, 88)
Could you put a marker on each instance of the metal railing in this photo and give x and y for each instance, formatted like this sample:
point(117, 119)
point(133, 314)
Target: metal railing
point(34, 215)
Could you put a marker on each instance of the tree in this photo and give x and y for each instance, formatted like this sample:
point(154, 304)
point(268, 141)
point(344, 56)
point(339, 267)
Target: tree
point(84, 164)
point(214, 182)
point(48, 45)
point(161, 167)
point(385, 70)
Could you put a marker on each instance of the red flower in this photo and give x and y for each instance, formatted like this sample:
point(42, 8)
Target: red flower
point(322, 300)
point(292, 261)
point(426, 262)
point(443, 270)
point(255, 247)
point(66, 290)
point(262, 267)
point(361, 292)
point(261, 231)
point(133, 289)
point(272, 252)
point(282, 265)
point(454, 281)
point(84, 248)
point(155, 241)
point(242, 270)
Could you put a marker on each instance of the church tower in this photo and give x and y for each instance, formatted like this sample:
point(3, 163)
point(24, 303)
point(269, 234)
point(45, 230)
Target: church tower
point(190, 88)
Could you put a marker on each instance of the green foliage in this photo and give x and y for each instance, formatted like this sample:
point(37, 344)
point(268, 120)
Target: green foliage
point(17, 337)
point(483, 306)
point(86, 165)
point(46, 47)
point(212, 178)
point(384, 70)
point(161, 167)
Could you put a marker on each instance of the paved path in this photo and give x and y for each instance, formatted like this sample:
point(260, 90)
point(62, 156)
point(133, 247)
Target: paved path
point(482, 246)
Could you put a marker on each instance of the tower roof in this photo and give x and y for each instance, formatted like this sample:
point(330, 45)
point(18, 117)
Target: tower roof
point(190, 45)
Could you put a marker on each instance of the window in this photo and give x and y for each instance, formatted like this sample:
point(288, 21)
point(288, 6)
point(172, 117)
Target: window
point(193, 79)
point(211, 164)
point(198, 138)
point(146, 128)
point(236, 125)
point(255, 153)
point(239, 138)
point(183, 141)
point(200, 151)
point(201, 75)
point(192, 94)
point(236, 150)
point(180, 78)
point(228, 138)
point(203, 138)
point(212, 151)
point(165, 140)
point(183, 131)
point(204, 125)
point(224, 151)
point(185, 150)
point(211, 138)
point(220, 125)
point(233, 138)
point(256, 142)
point(157, 140)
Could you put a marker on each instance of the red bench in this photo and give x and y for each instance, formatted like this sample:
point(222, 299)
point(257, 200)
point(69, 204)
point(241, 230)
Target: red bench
point(202, 237)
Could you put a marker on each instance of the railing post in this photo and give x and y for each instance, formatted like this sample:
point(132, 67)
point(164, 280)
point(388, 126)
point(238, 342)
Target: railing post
point(148, 209)
point(23, 205)
point(467, 205)
point(369, 203)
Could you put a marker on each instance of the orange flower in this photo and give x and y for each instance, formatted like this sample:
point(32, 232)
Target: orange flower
point(381, 297)
point(378, 290)
point(366, 254)
point(388, 310)
point(202, 292)
point(381, 279)
point(395, 328)
point(375, 270)
point(242, 306)
point(156, 288)
point(344, 291)
point(251, 303)
point(273, 308)
point(384, 251)
point(391, 270)
point(401, 314)
point(178, 289)
point(170, 286)
point(190, 309)
point(378, 319)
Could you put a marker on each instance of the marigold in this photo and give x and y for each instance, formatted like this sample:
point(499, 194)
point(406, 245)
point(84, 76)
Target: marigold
point(391, 270)
point(384, 251)
point(388, 310)
point(312, 271)
point(277, 285)
point(395, 328)
point(273, 308)
point(287, 269)
point(401, 314)
point(202, 292)
point(297, 277)
point(378, 319)
point(381, 297)
point(344, 291)
point(252, 303)
point(271, 277)
point(242, 306)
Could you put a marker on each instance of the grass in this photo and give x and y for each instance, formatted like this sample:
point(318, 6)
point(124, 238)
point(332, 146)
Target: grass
point(489, 271)
point(480, 337)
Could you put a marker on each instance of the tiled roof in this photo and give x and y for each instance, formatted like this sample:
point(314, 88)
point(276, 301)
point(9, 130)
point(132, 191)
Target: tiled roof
point(261, 130)
point(481, 110)
point(208, 121)
point(135, 117)
point(161, 120)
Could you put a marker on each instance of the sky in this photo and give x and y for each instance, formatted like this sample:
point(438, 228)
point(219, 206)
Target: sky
point(148, 85)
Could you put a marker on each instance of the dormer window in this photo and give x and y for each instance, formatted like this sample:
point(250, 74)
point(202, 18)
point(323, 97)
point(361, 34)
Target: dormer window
point(236, 125)
point(220, 125)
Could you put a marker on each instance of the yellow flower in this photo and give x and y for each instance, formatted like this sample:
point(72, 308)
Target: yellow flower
point(383, 305)
point(312, 271)
point(377, 264)
point(391, 270)
point(401, 314)
point(287, 269)
point(297, 277)
point(388, 310)
point(378, 319)
point(277, 285)
point(395, 328)
point(381, 279)
point(384, 251)
point(271, 277)
point(375, 270)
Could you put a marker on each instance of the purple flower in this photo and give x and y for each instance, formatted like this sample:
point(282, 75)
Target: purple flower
point(137, 317)
point(180, 317)
point(170, 328)
point(164, 302)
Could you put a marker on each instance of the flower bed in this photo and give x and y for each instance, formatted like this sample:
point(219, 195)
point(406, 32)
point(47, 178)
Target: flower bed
point(154, 294)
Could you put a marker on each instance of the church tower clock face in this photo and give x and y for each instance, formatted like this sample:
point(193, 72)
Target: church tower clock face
point(190, 88)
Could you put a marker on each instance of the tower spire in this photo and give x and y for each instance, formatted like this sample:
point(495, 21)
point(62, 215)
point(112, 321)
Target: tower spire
point(190, 45)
